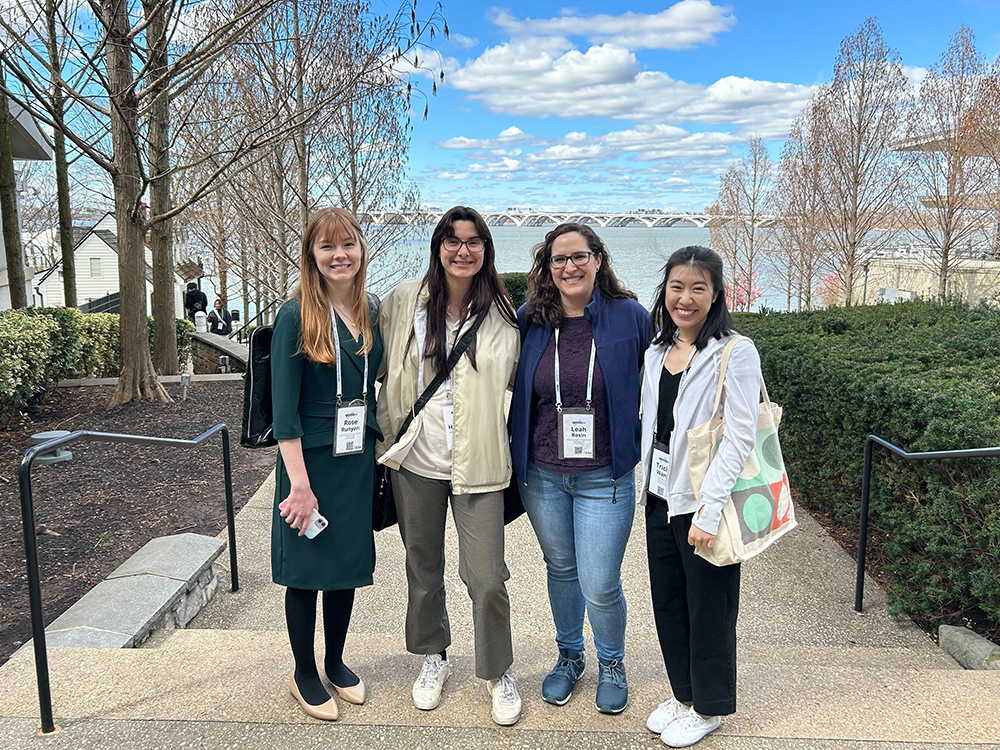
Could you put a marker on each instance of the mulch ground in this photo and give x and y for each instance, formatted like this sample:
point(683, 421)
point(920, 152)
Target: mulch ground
point(102, 506)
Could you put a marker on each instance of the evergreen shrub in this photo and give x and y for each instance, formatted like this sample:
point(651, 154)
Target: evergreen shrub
point(44, 345)
point(924, 376)
point(517, 286)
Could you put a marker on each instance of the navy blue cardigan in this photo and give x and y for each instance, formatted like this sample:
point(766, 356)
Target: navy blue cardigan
point(622, 332)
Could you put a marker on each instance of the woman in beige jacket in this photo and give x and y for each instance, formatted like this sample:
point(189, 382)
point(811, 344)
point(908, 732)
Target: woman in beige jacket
point(456, 450)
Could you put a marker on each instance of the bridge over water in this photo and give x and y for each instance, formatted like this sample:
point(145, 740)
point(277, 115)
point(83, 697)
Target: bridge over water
point(546, 218)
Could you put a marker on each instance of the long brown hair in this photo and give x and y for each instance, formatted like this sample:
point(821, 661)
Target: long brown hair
point(487, 288)
point(334, 224)
point(543, 303)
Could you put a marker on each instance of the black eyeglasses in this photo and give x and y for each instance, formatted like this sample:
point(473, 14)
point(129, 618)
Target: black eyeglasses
point(579, 259)
point(453, 244)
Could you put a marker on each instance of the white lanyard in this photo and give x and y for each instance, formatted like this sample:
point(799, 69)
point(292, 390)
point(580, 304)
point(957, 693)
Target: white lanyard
point(590, 375)
point(336, 342)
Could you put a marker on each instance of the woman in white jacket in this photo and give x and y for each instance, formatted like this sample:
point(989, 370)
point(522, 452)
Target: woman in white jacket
point(695, 603)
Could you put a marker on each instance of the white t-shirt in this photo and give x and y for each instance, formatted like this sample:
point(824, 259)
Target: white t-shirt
point(430, 455)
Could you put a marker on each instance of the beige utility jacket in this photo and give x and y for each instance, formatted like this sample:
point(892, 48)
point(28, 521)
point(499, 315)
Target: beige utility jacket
point(480, 446)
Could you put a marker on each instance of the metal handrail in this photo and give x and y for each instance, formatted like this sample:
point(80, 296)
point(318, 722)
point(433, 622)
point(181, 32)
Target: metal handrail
point(238, 333)
point(31, 539)
point(859, 583)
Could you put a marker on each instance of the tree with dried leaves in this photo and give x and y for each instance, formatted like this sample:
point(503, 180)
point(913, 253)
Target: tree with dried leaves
point(949, 174)
point(861, 117)
point(740, 230)
point(798, 203)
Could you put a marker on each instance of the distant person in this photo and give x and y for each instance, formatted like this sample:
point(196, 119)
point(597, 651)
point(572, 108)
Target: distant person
point(195, 300)
point(219, 320)
point(695, 603)
point(325, 351)
point(575, 444)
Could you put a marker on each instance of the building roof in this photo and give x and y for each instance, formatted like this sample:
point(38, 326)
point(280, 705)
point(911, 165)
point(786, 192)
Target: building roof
point(26, 139)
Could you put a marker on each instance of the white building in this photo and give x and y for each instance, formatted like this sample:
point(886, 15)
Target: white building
point(96, 254)
point(27, 144)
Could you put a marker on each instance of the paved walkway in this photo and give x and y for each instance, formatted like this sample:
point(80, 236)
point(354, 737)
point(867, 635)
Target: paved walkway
point(813, 674)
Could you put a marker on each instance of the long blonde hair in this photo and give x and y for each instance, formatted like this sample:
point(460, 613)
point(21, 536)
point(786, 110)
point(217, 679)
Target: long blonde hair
point(317, 344)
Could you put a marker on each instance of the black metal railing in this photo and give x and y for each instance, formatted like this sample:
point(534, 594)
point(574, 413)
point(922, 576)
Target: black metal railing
point(238, 333)
point(31, 539)
point(870, 443)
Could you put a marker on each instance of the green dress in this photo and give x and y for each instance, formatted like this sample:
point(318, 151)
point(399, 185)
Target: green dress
point(304, 395)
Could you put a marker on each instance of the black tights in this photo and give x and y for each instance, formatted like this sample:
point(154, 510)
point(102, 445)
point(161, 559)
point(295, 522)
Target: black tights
point(300, 616)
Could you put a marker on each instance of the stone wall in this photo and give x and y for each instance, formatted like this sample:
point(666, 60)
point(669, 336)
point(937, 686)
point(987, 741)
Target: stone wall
point(206, 349)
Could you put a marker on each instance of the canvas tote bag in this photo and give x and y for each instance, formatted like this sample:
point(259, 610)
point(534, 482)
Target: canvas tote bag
point(759, 511)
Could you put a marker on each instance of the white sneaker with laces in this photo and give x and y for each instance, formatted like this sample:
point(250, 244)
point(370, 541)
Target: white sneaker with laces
point(506, 701)
point(427, 688)
point(665, 713)
point(689, 729)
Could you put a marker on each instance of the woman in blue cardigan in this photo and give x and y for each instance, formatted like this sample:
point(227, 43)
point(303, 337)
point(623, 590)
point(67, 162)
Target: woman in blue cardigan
point(575, 444)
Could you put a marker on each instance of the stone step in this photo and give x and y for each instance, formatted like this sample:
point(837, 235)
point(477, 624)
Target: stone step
point(533, 649)
point(240, 677)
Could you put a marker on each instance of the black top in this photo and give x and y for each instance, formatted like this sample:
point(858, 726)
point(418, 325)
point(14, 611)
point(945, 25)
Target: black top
point(669, 385)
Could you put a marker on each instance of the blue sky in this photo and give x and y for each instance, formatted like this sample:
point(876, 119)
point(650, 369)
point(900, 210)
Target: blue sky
point(616, 106)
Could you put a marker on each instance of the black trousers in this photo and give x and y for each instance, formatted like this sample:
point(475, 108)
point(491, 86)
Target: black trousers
point(695, 605)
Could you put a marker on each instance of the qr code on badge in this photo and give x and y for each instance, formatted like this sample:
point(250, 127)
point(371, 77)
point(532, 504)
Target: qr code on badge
point(577, 450)
point(350, 445)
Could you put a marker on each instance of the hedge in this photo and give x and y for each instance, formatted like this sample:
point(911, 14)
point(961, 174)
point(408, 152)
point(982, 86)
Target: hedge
point(922, 375)
point(44, 345)
point(517, 286)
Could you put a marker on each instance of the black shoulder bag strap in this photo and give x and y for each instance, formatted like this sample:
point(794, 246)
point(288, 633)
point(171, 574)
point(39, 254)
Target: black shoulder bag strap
point(431, 389)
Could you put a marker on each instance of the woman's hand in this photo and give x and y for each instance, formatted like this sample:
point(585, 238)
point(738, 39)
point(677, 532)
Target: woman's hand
point(297, 508)
point(698, 538)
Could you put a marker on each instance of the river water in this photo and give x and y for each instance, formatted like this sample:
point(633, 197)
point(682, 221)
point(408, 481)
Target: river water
point(638, 255)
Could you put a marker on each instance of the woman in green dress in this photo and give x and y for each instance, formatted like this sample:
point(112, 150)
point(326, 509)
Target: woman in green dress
point(325, 352)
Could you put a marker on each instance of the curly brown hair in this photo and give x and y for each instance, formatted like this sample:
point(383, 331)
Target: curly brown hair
point(543, 304)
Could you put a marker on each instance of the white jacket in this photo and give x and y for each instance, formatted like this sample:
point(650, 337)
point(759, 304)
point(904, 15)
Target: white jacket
point(693, 407)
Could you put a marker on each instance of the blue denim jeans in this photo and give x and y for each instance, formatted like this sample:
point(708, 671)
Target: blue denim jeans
point(583, 536)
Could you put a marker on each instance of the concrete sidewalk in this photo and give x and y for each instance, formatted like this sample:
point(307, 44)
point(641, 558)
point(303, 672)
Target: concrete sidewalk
point(813, 674)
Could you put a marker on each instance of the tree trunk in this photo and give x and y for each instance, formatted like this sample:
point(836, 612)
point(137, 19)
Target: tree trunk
point(59, 154)
point(137, 379)
point(245, 272)
point(221, 263)
point(300, 129)
point(8, 208)
point(161, 240)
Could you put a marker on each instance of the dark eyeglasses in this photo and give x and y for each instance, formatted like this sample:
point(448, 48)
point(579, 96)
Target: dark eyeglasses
point(453, 244)
point(579, 259)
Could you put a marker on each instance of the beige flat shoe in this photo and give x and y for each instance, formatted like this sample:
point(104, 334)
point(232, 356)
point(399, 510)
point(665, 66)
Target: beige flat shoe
point(328, 711)
point(354, 694)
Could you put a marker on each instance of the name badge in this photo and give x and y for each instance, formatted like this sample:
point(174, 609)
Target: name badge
point(448, 412)
point(576, 433)
point(659, 471)
point(350, 435)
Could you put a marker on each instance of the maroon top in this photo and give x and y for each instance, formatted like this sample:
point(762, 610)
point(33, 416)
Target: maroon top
point(575, 337)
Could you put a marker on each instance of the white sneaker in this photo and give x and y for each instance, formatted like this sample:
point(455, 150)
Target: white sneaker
point(689, 729)
point(506, 701)
point(427, 688)
point(665, 713)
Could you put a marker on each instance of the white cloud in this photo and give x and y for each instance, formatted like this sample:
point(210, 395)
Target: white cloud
point(463, 41)
point(543, 78)
point(914, 75)
point(685, 25)
point(504, 165)
point(452, 175)
point(565, 153)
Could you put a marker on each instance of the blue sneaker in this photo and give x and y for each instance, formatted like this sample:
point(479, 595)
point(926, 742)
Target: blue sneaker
point(612, 689)
point(557, 687)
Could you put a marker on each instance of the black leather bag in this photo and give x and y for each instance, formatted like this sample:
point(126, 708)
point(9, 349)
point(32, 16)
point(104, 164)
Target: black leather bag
point(383, 501)
point(258, 414)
